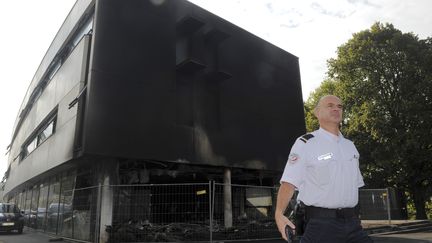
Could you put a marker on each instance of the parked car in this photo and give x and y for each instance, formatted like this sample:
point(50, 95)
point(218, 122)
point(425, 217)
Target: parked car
point(11, 218)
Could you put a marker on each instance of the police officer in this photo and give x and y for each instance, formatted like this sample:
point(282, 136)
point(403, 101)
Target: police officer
point(324, 167)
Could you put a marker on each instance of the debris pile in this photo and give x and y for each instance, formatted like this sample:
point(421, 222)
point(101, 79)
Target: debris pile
point(143, 231)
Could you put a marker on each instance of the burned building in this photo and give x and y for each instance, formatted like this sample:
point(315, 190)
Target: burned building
point(150, 111)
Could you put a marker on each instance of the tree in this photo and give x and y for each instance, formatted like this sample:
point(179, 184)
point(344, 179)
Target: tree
point(384, 77)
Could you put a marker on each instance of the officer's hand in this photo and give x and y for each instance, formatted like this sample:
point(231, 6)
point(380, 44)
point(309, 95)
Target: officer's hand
point(281, 222)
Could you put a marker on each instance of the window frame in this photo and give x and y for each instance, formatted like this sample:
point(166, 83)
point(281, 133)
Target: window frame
point(35, 137)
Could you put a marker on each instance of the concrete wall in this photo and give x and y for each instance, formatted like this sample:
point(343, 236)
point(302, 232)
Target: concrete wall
point(57, 149)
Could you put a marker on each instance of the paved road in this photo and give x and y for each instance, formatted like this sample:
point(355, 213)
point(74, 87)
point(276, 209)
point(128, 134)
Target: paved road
point(30, 236)
point(25, 237)
point(422, 237)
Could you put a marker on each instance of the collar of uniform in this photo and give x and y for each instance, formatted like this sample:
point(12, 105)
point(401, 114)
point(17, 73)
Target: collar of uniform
point(330, 135)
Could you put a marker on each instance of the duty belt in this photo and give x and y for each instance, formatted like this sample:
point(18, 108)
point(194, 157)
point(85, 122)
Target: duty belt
point(344, 213)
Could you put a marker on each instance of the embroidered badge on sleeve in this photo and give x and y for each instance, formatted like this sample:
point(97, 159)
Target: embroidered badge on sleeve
point(293, 158)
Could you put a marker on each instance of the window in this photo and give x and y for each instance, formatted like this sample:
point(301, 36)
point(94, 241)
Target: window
point(8, 208)
point(42, 206)
point(54, 70)
point(65, 224)
point(84, 27)
point(46, 133)
point(31, 146)
point(53, 205)
point(45, 130)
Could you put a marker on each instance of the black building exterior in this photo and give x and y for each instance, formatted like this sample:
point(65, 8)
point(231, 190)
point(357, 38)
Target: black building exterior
point(148, 92)
point(172, 82)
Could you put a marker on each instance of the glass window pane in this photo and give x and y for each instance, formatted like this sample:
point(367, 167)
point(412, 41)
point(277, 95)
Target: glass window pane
point(53, 205)
point(84, 202)
point(22, 200)
point(27, 206)
point(8, 208)
point(30, 147)
point(42, 207)
point(65, 206)
point(34, 206)
point(48, 131)
point(54, 70)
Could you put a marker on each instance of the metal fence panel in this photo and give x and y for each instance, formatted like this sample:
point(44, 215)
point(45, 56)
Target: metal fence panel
point(161, 213)
point(84, 213)
point(252, 213)
point(374, 204)
point(187, 212)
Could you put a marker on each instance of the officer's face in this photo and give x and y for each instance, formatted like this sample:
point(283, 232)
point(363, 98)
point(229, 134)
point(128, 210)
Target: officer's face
point(329, 110)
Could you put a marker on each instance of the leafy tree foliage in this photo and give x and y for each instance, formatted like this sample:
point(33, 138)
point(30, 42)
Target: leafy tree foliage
point(384, 78)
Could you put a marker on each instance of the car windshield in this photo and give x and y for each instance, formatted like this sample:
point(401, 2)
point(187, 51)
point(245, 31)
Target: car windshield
point(8, 208)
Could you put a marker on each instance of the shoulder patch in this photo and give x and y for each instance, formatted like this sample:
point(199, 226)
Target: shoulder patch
point(306, 137)
point(292, 158)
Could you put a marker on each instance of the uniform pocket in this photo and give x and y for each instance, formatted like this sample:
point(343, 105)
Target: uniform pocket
point(321, 171)
point(352, 166)
point(352, 171)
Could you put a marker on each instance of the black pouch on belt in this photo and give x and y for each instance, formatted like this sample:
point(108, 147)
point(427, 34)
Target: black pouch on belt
point(300, 218)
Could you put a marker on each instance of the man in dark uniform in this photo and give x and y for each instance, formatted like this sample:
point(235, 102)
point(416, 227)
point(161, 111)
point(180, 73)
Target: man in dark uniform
point(324, 167)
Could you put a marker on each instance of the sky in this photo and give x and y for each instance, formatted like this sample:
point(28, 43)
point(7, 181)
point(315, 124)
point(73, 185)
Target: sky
point(311, 30)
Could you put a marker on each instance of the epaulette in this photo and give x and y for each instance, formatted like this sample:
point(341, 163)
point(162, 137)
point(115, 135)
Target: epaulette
point(306, 137)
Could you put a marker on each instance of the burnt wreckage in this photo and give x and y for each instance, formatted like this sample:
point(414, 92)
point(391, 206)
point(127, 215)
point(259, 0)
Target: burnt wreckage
point(142, 117)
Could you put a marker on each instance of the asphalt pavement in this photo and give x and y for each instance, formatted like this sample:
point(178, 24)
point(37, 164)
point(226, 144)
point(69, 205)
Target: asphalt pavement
point(32, 236)
point(28, 236)
point(419, 237)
